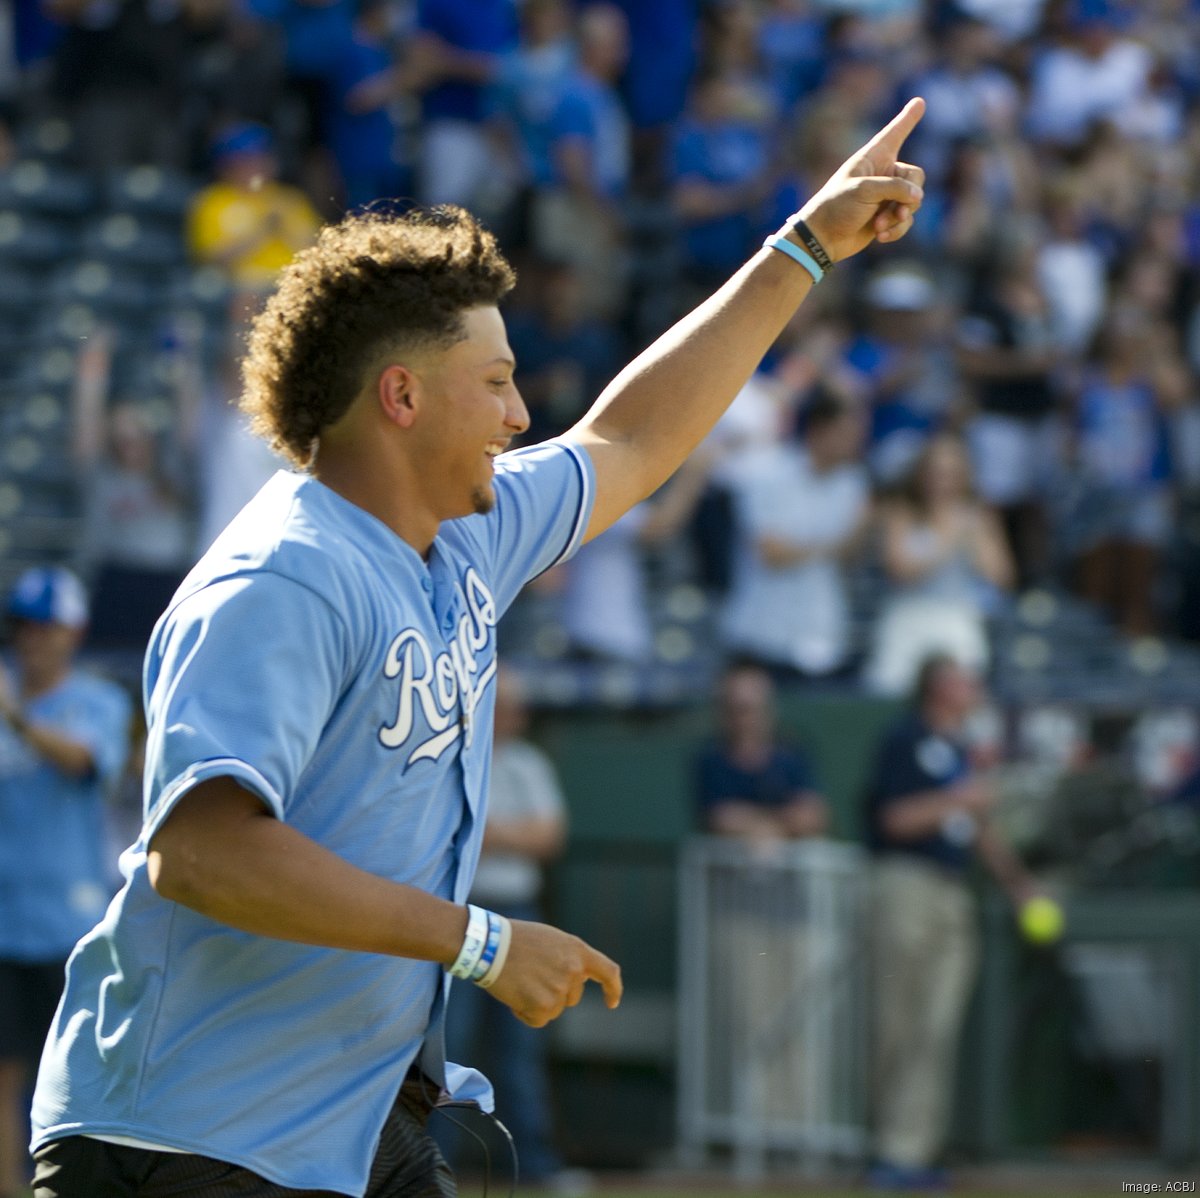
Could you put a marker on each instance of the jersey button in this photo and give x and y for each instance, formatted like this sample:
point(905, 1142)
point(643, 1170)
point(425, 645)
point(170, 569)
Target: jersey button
point(426, 584)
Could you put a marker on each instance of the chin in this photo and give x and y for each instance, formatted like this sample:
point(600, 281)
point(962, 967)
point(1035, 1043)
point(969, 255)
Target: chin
point(483, 499)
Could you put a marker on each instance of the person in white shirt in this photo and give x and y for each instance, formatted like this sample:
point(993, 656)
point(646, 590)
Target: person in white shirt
point(801, 512)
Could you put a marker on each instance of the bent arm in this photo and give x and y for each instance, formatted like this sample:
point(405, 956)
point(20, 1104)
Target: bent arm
point(1004, 865)
point(68, 756)
point(221, 853)
point(923, 813)
point(662, 404)
point(992, 556)
point(539, 837)
point(804, 814)
point(63, 752)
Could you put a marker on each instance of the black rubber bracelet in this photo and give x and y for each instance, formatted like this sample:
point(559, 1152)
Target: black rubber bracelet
point(810, 243)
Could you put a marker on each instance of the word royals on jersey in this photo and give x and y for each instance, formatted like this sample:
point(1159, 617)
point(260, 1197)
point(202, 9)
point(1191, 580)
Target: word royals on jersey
point(454, 679)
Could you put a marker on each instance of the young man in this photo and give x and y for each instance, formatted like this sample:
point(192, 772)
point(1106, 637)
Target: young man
point(261, 1009)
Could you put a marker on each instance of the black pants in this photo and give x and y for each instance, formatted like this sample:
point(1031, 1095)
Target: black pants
point(408, 1164)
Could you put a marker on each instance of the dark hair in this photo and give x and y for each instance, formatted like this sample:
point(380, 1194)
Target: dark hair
point(927, 676)
point(823, 408)
point(375, 283)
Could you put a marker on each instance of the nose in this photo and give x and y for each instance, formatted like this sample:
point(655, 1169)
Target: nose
point(516, 414)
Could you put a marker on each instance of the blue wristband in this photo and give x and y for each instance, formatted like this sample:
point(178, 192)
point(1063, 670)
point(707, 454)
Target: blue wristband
point(778, 242)
point(490, 947)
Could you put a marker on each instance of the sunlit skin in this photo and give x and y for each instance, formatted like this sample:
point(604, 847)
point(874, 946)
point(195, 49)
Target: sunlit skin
point(417, 446)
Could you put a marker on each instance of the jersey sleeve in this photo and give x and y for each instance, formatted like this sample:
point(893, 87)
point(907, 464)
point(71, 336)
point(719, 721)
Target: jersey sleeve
point(544, 497)
point(241, 679)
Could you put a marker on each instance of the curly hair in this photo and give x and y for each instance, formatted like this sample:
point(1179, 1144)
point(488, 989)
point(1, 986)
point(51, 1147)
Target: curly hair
point(372, 284)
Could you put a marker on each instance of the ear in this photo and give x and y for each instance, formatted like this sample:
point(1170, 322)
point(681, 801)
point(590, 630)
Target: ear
point(398, 395)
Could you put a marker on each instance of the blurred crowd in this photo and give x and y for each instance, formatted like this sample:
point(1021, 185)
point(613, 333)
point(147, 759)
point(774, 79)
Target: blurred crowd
point(1007, 401)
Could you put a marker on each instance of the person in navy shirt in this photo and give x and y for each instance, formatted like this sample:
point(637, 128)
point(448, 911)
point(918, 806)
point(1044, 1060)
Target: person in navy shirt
point(749, 783)
point(762, 944)
point(928, 819)
point(261, 1009)
point(64, 736)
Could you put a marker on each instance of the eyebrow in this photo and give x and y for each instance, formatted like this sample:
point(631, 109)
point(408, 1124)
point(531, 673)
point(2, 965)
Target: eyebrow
point(502, 361)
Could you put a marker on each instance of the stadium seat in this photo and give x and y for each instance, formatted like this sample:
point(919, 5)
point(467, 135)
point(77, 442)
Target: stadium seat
point(150, 191)
point(204, 290)
point(47, 189)
point(115, 293)
point(33, 241)
point(127, 240)
point(20, 292)
point(51, 138)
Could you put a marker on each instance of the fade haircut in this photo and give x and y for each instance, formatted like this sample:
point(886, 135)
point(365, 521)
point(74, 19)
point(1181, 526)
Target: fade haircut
point(374, 284)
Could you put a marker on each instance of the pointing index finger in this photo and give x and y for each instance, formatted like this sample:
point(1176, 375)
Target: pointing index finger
point(891, 137)
point(608, 973)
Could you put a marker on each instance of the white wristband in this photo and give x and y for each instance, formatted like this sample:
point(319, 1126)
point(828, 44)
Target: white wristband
point(489, 979)
point(473, 943)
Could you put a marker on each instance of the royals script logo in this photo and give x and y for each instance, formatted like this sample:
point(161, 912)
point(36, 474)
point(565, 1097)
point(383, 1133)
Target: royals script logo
point(445, 688)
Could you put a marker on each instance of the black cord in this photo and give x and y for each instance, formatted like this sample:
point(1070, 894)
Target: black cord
point(442, 1108)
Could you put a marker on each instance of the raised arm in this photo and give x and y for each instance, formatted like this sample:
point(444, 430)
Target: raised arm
point(659, 408)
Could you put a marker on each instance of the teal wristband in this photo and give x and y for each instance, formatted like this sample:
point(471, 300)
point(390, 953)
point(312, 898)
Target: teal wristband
point(778, 242)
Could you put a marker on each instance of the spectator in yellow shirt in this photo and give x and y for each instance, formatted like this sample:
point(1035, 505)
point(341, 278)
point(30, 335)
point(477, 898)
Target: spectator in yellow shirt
point(246, 221)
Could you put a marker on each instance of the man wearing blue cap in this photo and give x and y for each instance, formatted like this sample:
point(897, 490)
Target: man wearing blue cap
point(63, 739)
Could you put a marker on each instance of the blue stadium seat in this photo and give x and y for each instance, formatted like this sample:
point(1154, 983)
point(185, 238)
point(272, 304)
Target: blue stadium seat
point(124, 239)
point(150, 191)
point(51, 138)
point(21, 290)
point(47, 189)
point(202, 289)
point(33, 241)
point(106, 288)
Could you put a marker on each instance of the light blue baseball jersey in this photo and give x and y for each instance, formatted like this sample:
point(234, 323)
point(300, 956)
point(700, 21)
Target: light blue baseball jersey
point(55, 878)
point(315, 657)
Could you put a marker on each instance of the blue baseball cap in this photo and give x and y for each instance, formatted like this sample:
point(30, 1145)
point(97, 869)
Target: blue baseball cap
point(243, 137)
point(49, 595)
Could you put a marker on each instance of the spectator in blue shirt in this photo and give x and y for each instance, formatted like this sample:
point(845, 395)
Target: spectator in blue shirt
point(316, 35)
point(565, 357)
point(927, 819)
point(528, 88)
point(361, 132)
point(451, 61)
point(63, 741)
point(721, 167)
point(662, 58)
point(578, 217)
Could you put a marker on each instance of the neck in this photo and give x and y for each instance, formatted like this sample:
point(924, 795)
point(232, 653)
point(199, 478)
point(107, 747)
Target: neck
point(749, 747)
point(946, 720)
point(38, 682)
point(383, 487)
